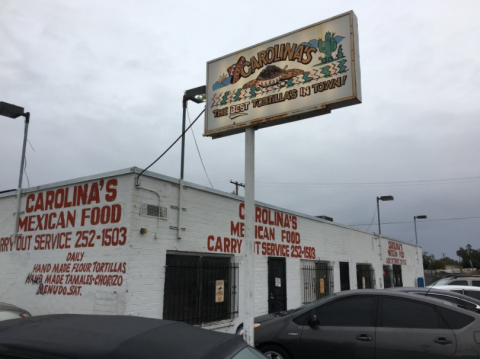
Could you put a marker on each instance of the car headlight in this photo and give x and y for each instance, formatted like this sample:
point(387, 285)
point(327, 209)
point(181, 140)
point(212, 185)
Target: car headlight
point(240, 329)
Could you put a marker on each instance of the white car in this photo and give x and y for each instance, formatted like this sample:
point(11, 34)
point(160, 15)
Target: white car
point(458, 279)
point(9, 311)
point(471, 291)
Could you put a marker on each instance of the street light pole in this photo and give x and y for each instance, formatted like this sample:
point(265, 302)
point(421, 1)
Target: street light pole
point(416, 238)
point(14, 111)
point(381, 198)
point(415, 223)
point(197, 95)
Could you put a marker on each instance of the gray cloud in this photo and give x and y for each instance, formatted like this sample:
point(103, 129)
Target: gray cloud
point(104, 82)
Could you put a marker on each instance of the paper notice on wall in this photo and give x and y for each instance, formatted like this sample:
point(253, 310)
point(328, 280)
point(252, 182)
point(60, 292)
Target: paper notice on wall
point(219, 291)
point(363, 283)
point(278, 282)
point(322, 285)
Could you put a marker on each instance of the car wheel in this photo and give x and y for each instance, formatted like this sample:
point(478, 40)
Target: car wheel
point(274, 352)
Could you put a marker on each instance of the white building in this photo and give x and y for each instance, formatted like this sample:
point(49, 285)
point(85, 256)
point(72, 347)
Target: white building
point(109, 244)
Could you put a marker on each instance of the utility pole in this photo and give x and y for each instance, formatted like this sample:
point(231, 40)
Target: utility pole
point(237, 185)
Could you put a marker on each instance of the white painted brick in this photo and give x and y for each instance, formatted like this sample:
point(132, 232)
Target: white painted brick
point(207, 213)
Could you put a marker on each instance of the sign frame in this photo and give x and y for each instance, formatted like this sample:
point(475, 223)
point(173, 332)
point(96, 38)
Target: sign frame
point(294, 112)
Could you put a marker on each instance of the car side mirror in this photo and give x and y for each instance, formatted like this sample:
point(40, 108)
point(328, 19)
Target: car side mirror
point(313, 321)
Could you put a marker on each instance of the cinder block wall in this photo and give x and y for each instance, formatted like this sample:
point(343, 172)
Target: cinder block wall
point(212, 224)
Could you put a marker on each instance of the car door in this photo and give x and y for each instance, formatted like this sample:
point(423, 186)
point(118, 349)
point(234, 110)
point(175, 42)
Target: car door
point(412, 329)
point(345, 329)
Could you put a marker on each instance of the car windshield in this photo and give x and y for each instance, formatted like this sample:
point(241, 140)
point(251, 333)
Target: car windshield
point(248, 353)
point(308, 305)
point(443, 281)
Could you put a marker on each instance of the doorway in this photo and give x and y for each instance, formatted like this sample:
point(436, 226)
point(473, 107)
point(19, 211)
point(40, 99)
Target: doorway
point(277, 285)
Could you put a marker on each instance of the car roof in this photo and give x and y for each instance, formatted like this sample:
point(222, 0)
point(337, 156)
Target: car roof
point(436, 289)
point(406, 293)
point(5, 307)
point(102, 336)
point(458, 287)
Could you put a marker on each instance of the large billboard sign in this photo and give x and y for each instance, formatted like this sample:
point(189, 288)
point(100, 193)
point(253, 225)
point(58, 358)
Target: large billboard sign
point(299, 75)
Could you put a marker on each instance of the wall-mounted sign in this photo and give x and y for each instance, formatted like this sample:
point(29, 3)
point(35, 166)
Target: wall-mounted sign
point(299, 75)
point(219, 291)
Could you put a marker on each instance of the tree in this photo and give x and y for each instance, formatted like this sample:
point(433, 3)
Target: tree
point(436, 264)
point(470, 257)
point(427, 259)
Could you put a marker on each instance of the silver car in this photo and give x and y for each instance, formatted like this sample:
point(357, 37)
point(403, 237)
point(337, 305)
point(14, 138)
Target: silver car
point(9, 311)
point(458, 279)
point(371, 323)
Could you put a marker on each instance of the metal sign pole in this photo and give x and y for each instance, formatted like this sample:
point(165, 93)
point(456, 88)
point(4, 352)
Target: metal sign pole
point(249, 255)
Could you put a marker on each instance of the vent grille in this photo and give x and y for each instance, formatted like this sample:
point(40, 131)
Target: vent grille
point(153, 211)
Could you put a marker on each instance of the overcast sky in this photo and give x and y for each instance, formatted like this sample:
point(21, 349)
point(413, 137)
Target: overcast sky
point(104, 80)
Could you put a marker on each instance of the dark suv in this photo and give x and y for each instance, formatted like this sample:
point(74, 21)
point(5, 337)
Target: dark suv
point(371, 324)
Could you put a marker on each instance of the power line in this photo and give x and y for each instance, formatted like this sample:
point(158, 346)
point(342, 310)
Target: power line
point(374, 213)
point(237, 184)
point(198, 150)
point(423, 220)
point(372, 184)
point(173, 144)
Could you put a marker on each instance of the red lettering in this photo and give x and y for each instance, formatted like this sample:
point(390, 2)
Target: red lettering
point(265, 216)
point(67, 204)
point(294, 222)
point(29, 206)
point(209, 243)
point(270, 220)
point(82, 194)
point(95, 216)
point(59, 197)
point(23, 223)
point(226, 246)
point(258, 214)
point(94, 195)
point(49, 200)
point(116, 213)
point(235, 229)
point(218, 246)
point(39, 203)
point(111, 190)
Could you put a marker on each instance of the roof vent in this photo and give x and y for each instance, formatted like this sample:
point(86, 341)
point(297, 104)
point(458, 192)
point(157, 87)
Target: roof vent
point(327, 218)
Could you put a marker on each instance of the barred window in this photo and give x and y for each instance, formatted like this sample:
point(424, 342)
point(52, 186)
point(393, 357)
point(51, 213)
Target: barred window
point(200, 289)
point(317, 279)
point(365, 276)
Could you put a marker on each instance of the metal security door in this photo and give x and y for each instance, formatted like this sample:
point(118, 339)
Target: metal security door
point(397, 276)
point(344, 276)
point(215, 271)
point(277, 286)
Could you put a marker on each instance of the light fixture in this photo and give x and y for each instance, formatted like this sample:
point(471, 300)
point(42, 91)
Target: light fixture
point(197, 95)
point(10, 110)
point(381, 198)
